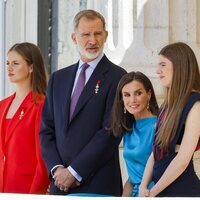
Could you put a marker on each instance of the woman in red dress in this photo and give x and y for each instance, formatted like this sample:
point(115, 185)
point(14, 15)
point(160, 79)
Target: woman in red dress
point(22, 169)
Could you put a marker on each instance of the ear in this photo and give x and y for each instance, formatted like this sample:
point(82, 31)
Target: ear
point(73, 36)
point(106, 35)
point(149, 95)
point(31, 68)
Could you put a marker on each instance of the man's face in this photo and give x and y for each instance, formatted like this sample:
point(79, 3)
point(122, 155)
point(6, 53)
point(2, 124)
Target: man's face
point(89, 37)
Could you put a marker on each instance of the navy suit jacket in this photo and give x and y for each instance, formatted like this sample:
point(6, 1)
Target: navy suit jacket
point(84, 143)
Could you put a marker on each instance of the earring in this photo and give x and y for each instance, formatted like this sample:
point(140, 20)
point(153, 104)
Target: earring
point(148, 106)
point(124, 110)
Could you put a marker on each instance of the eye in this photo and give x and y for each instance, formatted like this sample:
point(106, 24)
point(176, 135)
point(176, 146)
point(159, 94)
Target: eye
point(162, 64)
point(98, 33)
point(138, 93)
point(85, 35)
point(126, 94)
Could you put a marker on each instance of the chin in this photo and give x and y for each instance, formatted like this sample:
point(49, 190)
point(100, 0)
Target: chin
point(12, 81)
point(132, 112)
point(92, 55)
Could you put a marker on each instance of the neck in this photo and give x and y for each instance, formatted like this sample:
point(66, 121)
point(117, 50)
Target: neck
point(22, 91)
point(145, 114)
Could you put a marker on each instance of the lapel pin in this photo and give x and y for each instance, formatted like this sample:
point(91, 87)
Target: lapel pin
point(97, 87)
point(21, 114)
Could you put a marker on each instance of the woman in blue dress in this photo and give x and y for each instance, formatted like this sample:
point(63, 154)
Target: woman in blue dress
point(134, 116)
point(174, 164)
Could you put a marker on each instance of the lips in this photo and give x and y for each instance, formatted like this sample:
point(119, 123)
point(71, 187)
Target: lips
point(92, 49)
point(134, 106)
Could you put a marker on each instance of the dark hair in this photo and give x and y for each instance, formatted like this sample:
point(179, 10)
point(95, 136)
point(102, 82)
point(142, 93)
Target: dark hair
point(33, 56)
point(186, 78)
point(122, 122)
point(89, 14)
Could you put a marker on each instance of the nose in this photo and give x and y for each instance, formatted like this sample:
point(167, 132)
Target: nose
point(133, 98)
point(92, 39)
point(158, 70)
point(9, 67)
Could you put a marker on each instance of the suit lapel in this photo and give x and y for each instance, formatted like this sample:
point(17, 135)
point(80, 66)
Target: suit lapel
point(97, 77)
point(19, 116)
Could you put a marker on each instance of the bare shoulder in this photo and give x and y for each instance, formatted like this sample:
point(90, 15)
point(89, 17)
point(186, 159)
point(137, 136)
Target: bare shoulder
point(195, 109)
point(192, 122)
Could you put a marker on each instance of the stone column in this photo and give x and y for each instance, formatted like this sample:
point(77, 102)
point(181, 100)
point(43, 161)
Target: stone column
point(2, 50)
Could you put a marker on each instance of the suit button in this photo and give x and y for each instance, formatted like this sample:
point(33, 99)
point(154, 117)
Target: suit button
point(4, 158)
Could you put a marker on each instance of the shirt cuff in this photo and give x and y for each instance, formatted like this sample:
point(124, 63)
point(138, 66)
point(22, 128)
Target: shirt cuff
point(74, 173)
point(54, 169)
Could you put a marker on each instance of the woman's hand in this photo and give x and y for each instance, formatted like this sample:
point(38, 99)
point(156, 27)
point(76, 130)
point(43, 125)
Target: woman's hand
point(144, 192)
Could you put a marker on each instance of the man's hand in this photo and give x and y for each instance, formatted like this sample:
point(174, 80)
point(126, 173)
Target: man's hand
point(64, 179)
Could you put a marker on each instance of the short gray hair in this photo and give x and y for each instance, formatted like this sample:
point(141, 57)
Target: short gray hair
point(89, 14)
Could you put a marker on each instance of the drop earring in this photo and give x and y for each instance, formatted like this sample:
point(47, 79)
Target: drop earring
point(148, 106)
point(124, 110)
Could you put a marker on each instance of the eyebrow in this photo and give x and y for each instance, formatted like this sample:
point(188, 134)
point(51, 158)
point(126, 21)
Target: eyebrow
point(134, 91)
point(162, 62)
point(13, 61)
point(138, 89)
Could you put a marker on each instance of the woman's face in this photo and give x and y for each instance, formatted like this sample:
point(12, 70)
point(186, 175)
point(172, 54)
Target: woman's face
point(165, 71)
point(18, 69)
point(136, 99)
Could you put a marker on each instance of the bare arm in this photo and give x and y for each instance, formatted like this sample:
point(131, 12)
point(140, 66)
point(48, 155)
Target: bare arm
point(147, 177)
point(127, 190)
point(182, 159)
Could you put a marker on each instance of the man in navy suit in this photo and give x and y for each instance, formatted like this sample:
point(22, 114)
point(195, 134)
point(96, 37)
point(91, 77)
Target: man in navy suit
point(80, 152)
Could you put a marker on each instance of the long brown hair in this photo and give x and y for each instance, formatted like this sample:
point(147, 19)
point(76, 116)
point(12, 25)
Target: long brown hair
point(186, 78)
point(33, 56)
point(122, 122)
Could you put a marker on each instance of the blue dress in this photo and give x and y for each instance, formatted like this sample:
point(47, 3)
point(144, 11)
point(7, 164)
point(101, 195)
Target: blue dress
point(137, 149)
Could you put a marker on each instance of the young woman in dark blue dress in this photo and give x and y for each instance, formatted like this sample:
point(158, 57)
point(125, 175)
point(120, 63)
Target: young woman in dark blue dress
point(174, 164)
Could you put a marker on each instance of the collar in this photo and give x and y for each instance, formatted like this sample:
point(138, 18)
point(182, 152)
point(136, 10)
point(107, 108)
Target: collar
point(92, 63)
